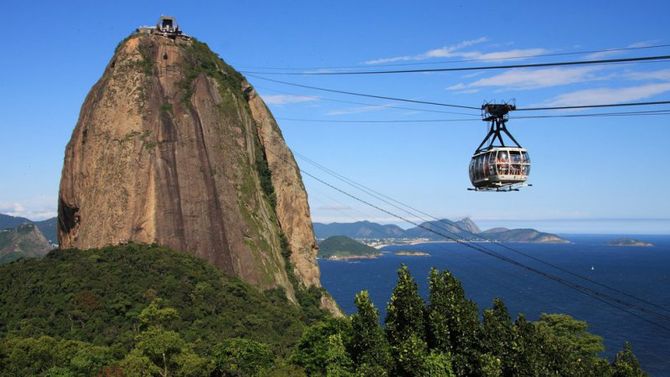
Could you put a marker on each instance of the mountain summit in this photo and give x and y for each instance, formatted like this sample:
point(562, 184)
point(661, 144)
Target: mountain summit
point(174, 147)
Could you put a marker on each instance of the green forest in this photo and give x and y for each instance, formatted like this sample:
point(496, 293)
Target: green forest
point(144, 310)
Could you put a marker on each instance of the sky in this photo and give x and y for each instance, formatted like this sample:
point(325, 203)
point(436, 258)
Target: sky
point(589, 175)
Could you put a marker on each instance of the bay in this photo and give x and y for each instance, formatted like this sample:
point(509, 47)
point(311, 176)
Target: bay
point(640, 271)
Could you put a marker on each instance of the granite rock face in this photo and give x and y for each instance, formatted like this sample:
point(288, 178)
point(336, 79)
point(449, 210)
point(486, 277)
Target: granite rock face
point(174, 147)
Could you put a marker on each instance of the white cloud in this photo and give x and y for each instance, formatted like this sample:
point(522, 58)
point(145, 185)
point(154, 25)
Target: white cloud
point(533, 79)
point(456, 51)
point(33, 210)
point(608, 95)
point(285, 99)
point(441, 52)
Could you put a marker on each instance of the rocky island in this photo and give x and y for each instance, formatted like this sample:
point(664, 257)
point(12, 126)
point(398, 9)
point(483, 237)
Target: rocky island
point(411, 253)
point(629, 242)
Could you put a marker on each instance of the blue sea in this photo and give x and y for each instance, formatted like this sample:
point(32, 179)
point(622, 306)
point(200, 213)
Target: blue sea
point(641, 271)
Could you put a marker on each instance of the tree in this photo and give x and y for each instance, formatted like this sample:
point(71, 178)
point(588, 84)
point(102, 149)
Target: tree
point(314, 349)
point(570, 350)
point(160, 351)
point(625, 363)
point(242, 357)
point(527, 358)
point(368, 346)
point(410, 357)
point(497, 334)
point(405, 310)
point(339, 363)
point(453, 322)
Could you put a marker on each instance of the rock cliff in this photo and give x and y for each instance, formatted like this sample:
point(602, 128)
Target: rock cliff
point(174, 147)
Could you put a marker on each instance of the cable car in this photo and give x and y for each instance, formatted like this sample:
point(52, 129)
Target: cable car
point(497, 166)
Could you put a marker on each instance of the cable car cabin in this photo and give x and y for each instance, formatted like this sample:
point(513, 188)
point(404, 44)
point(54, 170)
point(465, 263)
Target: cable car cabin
point(494, 165)
point(499, 168)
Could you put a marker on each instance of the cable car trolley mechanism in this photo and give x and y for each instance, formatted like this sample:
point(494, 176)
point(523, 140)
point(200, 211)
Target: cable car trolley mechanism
point(496, 166)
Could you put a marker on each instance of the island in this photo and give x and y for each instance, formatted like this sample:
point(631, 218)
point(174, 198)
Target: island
point(629, 242)
point(345, 248)
point(411, 253)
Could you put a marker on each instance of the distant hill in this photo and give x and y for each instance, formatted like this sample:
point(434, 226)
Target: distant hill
point(24, 241)
point(464, 229)
point(521, 235)
point(47, 227)
point(360, 229)
point(345, 247)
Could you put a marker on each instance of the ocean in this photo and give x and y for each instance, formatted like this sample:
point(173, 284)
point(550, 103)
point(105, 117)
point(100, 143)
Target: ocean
point(640, 271)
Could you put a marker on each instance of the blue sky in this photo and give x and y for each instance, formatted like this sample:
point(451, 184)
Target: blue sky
point(589, 174)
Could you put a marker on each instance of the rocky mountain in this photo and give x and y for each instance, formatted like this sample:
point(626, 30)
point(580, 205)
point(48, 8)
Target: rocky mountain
point(360, 229)
point(464, 229)
point(174, 147)
point(47, 227)
point(24, 241)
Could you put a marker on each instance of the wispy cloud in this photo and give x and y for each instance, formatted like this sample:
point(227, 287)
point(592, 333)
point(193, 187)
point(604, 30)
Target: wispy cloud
point(606, 54)
point(35, 210)
point(285, 99)
point(359, 110)
point(533, 79)
point(441, 52)
point(457, 51)
point(609, 95)
point(659, 75)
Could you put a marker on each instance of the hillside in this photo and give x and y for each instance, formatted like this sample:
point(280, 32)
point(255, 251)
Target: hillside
point(96, 295)
point(24, 241)
point(344, 247)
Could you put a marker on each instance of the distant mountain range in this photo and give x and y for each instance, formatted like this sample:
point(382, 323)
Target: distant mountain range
point(47, 227)
point(464, 229)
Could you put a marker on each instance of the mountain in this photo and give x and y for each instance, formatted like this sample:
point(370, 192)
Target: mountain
point(342, 246)
point(10, 222)
point(47, 227)
point(360, 229)
point(174, 147)
point(461, 228)
point(24, 241)
point(464, 229)
point(521, 235)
